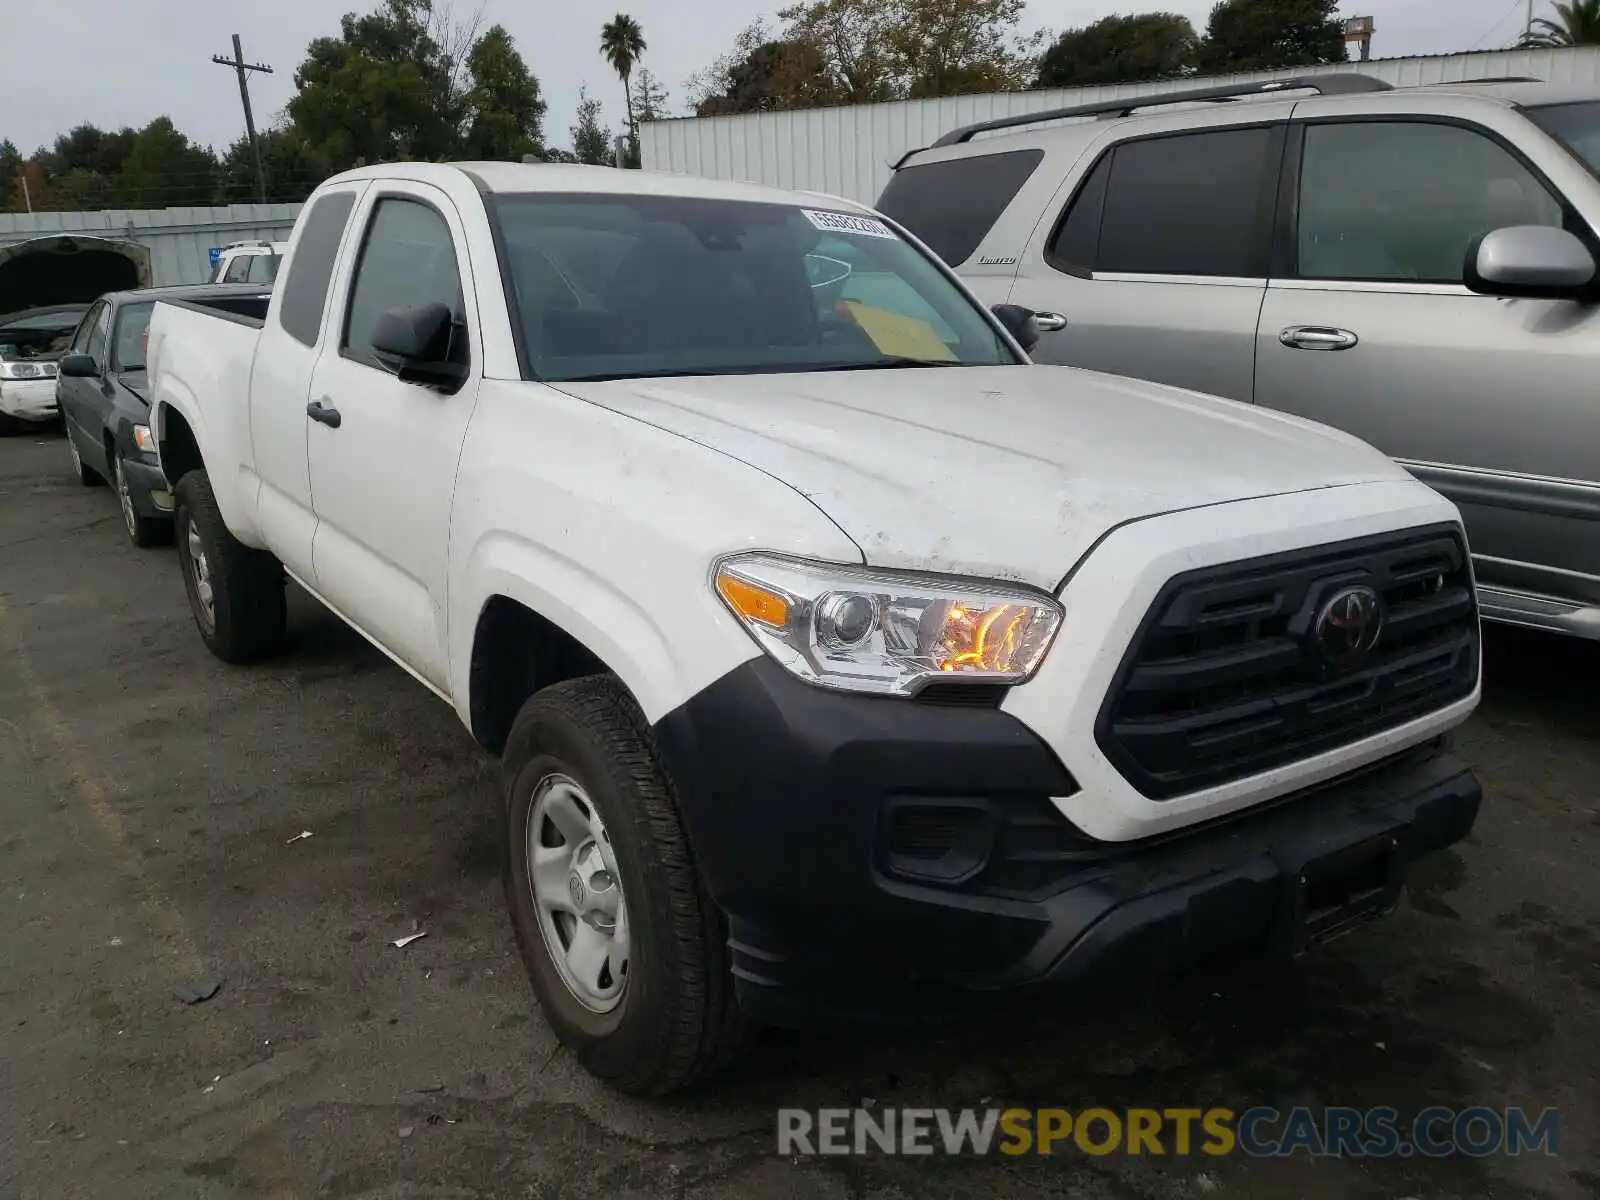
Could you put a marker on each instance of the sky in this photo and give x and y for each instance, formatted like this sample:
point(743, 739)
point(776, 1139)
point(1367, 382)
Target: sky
point(112, 63)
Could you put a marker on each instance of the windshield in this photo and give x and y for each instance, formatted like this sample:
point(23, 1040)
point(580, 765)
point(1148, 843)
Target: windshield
point(128, 344)
point(1575, 125)
point(610, 287)
point(42, 335)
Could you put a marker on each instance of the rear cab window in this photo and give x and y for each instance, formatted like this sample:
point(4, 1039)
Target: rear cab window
point(951, 205)
point(305, 286)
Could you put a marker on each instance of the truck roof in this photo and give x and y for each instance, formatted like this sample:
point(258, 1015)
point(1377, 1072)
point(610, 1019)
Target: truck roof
point(509, 178)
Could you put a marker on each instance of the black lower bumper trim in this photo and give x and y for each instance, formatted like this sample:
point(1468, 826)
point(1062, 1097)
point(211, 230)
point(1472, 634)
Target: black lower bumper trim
point(788, 792)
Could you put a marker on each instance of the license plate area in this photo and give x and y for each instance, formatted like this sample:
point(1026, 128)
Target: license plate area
point(1343, 891)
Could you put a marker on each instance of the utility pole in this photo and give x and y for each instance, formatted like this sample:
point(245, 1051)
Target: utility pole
point(242, 68)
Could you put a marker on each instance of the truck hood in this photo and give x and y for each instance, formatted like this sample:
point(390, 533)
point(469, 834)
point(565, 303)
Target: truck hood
point(1007, 472)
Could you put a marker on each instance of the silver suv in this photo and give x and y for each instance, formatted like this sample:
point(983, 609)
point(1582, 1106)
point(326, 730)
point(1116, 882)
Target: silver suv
point(1416, 266)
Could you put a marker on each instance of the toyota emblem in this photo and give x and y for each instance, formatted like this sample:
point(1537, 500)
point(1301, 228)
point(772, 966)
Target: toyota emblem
point(1348, 625)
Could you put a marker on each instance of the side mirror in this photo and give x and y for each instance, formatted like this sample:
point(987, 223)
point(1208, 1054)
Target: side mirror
point(78, 366)
point(418, 340)
point(1019, 324)
point(1533, 261)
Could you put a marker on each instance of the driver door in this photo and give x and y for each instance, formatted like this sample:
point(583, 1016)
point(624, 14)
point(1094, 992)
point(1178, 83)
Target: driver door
point(1368, 327)
point(383, 470)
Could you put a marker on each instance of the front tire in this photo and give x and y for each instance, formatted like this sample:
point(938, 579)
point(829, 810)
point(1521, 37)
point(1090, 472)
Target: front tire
point(142, 531)
point(235, 593)
point(636, 983)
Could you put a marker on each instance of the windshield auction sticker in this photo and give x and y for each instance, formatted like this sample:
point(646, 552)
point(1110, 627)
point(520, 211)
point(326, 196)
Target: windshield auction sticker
point(838, 222)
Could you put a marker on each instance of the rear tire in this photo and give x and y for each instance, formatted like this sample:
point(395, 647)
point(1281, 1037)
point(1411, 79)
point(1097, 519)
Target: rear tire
point(142, 531)
point(676, 1020)
point(86, 476)
point(235, 593)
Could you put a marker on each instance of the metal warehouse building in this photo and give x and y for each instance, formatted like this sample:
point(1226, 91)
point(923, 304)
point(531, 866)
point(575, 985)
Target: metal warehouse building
point(179, 239)
point(848, 151)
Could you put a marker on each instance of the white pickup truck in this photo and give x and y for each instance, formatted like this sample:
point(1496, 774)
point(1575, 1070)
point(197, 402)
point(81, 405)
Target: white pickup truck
point(843, 663)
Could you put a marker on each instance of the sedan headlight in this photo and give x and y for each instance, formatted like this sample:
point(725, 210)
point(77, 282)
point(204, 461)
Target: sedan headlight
point(21, 370)
point(144, 439)
point(887, 632)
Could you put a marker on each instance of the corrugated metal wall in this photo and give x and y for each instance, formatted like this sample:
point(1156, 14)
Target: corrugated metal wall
point(848, 151)
point(180, 239)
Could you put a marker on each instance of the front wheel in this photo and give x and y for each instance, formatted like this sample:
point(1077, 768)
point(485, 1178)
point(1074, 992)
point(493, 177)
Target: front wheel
point(142, 531)
point(626, 951)
point(235, 593)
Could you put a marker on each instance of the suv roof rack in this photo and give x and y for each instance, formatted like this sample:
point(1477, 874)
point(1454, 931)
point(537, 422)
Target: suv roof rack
point(1326, 85)
point(1492, 79)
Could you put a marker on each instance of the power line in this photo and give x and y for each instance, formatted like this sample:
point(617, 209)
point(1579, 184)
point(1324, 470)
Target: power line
point(1515, 4)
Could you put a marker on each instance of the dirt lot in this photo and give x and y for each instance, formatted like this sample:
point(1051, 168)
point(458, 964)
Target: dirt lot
point(149, 796)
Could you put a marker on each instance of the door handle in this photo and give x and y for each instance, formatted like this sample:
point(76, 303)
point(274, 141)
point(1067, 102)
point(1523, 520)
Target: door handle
point(324, 413)
point(1317, 337)
point(1049, 322)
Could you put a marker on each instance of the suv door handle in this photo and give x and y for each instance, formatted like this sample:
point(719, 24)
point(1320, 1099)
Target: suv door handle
point(325, 413)
point(1317, 337)
point(1049, 322)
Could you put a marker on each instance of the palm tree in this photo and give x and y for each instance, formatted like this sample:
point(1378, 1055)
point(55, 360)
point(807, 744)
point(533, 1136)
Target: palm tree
point(622, 42)
point(1577, 23)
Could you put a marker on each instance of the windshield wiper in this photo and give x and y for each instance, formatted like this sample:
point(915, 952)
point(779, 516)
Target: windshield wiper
point(892, 361)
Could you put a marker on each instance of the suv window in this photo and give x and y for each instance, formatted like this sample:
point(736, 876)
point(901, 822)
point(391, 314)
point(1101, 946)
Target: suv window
point(1403, 200)
point(407, 260)
point(262, 268)
point(238, 267)
point(951, 205)
point(1190, 204)
point(305, 288)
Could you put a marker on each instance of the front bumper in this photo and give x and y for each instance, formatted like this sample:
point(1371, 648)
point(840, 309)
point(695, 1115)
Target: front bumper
point(885, 859)
point(151, 496)
point(29, 399)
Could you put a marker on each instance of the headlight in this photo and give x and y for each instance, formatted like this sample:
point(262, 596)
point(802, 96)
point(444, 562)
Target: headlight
point(144, 439)
point(888, 632)
point(21, 370)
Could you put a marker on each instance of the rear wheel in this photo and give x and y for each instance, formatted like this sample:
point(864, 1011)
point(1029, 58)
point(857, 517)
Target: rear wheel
point(142, 531)
point(86, 476)
point(625, 949)
point(235, 593)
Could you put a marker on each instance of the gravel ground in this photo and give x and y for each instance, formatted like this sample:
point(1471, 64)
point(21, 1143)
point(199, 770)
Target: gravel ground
point(151, 797)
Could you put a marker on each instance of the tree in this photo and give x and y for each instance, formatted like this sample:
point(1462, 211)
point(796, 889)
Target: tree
point(957, 47)
point(1121, 49)
point(861, 51)
point(591, 142)
point(1577, 24)
point(292, 169)
point(164, 169)
point(505, 111)
point(850, 37)
point(11, 168)
point(622, 42)
point(761, 74)
point(1262, 35)
point(649, 98)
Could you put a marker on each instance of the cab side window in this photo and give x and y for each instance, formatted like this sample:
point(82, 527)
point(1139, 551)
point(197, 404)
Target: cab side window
point(238, 268)
point(1402, 201)
point(407, 260)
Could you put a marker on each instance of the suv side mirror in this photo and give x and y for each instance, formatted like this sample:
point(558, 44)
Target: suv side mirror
point(1533, 261)
point(1019, 324)
point(418, 340)
point(78, 366)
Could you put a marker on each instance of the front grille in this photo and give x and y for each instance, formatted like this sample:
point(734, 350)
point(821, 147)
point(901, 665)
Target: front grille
point(1224, 679)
